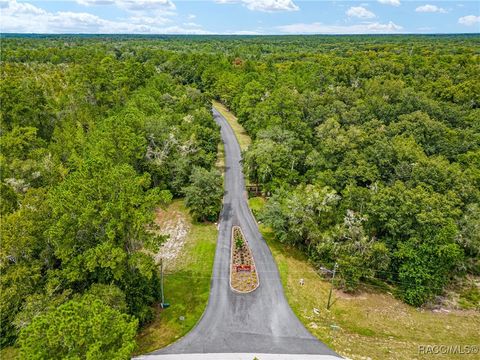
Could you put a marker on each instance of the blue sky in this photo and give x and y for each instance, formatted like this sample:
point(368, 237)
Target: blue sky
point(239, 16)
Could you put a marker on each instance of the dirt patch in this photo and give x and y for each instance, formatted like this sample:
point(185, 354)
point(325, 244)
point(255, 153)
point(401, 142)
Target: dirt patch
point(348, 296)
point(174, 225)
point(462, 295)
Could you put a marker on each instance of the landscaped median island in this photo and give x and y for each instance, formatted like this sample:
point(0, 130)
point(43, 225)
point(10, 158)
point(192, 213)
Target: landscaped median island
point(243, 274)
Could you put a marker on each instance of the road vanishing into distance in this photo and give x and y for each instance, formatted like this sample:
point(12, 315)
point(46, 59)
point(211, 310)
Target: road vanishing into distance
point(238, 326)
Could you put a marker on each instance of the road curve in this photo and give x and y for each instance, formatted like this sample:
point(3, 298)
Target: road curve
point(257, 322)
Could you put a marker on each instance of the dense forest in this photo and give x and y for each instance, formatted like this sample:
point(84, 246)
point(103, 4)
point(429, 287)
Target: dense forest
point(92, 143)
point(367, 149)
point(368, 152)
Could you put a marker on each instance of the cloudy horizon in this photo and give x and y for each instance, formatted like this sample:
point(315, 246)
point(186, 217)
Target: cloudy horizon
point(243, 17)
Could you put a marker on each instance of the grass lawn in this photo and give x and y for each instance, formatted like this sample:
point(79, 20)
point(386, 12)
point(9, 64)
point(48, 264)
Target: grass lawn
point(256, 204)
point(242, 136)
point(220, 164)
point(370, 325)
point(9, 353)
point(187, 286)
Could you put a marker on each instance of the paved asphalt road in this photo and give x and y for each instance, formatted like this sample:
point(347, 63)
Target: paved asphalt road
point(258, 322)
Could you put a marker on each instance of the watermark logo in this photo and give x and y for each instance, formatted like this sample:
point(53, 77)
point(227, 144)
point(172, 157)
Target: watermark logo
point(448, 349)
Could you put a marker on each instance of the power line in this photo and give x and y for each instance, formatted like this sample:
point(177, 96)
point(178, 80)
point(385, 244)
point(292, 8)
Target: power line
point(386, 281)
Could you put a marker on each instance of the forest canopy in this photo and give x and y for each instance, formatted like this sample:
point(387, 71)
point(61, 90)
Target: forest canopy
point(367, 149)
point(93, 139)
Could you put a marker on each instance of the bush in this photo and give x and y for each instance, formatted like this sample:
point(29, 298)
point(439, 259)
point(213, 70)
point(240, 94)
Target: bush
point(204, 196)
point(84, 328)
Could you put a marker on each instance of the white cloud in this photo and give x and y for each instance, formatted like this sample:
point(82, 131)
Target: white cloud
point(182, 30)
point(430, 9)
point(28, 18)
point(95, 2)
point(244, 32)
point(21, 8)
point(390, 2)
point(271, 5)
point(149, 20)
point(469, 20)
point(133, 5)
point(360, 12)
point(264, 5)
point(319, 28)
point(145, 5)
point(191, 16)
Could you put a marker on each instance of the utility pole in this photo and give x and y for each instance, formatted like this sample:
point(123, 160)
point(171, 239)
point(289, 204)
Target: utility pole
point(331, 287)
point(163, 304)
point(161, 279)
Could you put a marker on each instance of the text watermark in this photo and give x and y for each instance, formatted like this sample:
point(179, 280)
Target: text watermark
point(448, 349)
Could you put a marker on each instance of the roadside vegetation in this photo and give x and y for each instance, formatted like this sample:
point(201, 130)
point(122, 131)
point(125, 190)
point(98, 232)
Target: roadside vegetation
point(204, 194)
point(186, 281)
point(371, 323)
point(92, 143)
